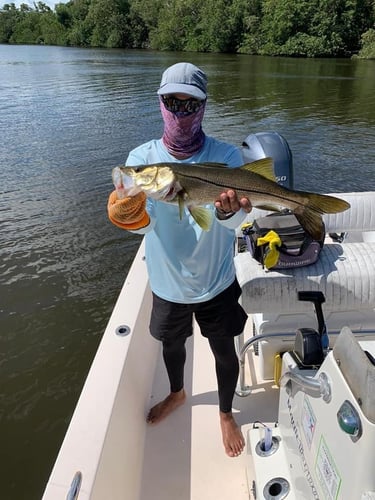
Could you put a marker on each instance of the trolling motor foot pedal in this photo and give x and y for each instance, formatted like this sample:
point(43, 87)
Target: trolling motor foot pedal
point(310, 345)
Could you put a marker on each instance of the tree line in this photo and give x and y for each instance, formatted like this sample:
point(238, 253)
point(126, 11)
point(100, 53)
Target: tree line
point(301, 28)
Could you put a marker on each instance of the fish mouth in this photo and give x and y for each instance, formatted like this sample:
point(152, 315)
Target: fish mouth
point(170, 193)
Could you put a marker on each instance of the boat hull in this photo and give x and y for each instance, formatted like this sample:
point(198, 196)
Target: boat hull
point(108, 426)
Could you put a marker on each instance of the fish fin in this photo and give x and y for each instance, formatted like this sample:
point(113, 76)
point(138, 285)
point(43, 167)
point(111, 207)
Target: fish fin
point(263, 167)
point(270, 208)
point(181, 205)
point(324, 203)
point(312, 222)
point(116, 177)
point(202, 216)
point(310, 217)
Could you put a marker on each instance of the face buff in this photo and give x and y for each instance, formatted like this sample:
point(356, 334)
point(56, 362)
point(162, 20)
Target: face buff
point(183, 135)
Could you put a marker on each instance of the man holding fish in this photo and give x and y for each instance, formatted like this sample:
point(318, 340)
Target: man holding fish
point(181, 192)
point(191, 270)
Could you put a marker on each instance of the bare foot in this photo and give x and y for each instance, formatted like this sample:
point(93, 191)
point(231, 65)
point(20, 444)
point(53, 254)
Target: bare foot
point(233, 439)
point(165, 407)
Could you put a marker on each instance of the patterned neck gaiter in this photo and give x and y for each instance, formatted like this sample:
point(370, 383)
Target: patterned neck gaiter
point(183, 135)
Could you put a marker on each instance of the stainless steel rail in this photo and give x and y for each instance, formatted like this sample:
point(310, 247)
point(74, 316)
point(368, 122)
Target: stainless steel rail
point(243, 389)
point(242, 348)
point(75, 486)
point(320, 385)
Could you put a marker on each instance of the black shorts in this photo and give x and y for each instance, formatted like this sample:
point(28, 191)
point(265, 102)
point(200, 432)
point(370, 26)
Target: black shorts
point(221, 316)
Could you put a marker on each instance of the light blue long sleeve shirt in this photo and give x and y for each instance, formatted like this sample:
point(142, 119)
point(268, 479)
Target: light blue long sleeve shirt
point(186, 264)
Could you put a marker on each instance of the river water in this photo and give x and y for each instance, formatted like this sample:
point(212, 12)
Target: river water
point(68, 116)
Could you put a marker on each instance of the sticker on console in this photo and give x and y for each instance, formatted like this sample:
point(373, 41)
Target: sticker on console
point(327, 473)
point(308, 421)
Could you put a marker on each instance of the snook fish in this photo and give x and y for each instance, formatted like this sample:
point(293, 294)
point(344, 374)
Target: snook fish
point(197, 184)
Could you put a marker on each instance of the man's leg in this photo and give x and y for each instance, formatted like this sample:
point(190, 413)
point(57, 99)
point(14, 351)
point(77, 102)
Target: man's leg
point(174, 355)
point(226, 364)
point(171, 324)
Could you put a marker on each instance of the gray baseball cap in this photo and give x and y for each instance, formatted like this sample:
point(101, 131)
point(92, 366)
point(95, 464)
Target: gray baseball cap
point(184, 78)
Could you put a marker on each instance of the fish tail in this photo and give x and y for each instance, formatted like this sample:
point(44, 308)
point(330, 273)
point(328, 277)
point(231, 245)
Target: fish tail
point(325, 204)
point(312, 223)
point(310, 217)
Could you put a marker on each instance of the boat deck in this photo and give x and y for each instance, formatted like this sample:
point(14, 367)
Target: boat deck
point(118, 456)
point(184, 457)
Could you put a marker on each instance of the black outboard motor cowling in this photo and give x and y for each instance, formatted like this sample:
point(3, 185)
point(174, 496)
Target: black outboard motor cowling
point(264, 144)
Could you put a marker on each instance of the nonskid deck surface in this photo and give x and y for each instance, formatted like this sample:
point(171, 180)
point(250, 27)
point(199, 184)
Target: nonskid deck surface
point(184, 455)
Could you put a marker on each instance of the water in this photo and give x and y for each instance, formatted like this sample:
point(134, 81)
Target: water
point(68, 116)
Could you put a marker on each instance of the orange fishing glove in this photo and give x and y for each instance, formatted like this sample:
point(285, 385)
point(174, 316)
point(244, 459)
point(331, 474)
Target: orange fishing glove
point(128, 213)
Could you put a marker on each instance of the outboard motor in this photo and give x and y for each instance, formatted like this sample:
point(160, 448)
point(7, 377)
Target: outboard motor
point(264, 144)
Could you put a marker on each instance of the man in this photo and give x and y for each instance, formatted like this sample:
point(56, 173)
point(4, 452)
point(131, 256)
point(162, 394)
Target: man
point(191, 271)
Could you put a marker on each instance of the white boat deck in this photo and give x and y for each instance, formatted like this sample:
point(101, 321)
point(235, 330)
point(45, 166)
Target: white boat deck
point(184, 457)
point(117, 456)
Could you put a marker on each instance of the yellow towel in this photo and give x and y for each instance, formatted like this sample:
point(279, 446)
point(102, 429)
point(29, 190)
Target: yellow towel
point(274, 241)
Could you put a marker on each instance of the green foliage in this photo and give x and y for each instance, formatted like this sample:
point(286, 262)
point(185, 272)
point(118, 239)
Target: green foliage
point(148, 11)
point(305, 45)
point(172, 25)
point(27, 29)
point(302, 28)
point(137, 35)
point(51, 31)
point(79, 35)
point(314, 27)
point(64, 15)
point(368, 45)
point(250, 15)
point(8, 20)
point(102, 22)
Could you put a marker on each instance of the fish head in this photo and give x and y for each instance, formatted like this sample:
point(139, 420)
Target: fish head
point(157, 182)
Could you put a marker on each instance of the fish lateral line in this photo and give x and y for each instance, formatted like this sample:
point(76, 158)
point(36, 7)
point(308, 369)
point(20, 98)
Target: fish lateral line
point(216, 184)
point(278, 198)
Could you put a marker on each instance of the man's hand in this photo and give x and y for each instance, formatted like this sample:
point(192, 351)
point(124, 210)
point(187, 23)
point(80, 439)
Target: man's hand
point(228, 203)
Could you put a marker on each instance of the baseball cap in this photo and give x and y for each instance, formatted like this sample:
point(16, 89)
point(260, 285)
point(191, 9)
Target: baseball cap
point(184, 78)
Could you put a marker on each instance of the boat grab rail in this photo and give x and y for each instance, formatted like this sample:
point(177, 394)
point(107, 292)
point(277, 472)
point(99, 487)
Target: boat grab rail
point(244, 390)
point(75, 486)
point(320, 385)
